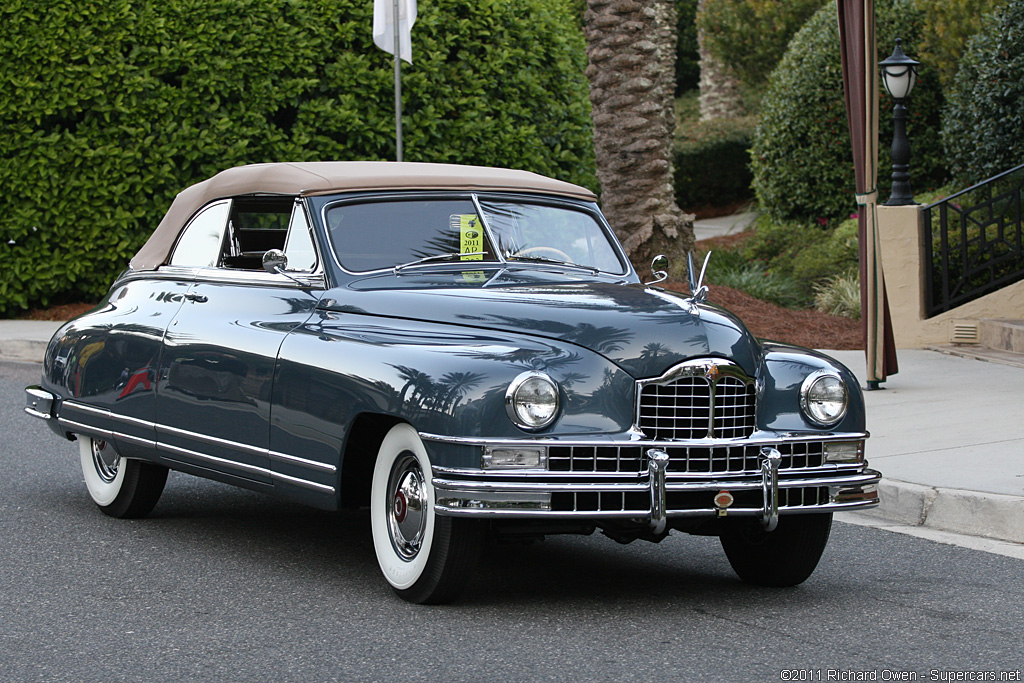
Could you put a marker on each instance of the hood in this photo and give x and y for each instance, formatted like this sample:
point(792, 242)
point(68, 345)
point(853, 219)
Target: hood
point(642, 330)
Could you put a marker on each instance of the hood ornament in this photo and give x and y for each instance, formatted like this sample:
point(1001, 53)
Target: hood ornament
point(698, 290)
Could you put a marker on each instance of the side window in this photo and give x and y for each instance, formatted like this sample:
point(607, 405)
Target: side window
point(256, 225)
point(200, 243)
point(298, 246)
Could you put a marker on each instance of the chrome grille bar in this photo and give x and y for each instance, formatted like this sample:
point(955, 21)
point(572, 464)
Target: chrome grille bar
point(698, 399)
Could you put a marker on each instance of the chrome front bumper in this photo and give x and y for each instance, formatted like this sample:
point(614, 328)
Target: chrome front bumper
point(658, 494)
point(38, 402)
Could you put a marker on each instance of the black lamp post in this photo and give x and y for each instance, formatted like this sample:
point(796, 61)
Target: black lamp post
point(899, 73)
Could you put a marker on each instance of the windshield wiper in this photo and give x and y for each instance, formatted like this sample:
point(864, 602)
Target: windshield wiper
point(554, 262)
point(438, 257)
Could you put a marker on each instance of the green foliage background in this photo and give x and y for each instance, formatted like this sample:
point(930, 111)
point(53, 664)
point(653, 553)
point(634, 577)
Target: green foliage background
point(950, 24)
point(109, 109)
point(983, 124)
point(801, 158)
point(751, 36)
point(712, 162)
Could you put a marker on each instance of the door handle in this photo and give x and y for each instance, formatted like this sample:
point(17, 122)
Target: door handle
point(196, 298)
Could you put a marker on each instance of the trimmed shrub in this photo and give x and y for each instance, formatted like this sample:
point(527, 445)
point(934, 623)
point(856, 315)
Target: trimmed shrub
point(751, 36)
point(950, 24)
point(110, 109)
point(983, 123)
point(801, 158)
point(712, 163)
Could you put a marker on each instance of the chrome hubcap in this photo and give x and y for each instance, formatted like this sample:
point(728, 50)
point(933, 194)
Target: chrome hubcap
point(407, 502)
point(105, 459)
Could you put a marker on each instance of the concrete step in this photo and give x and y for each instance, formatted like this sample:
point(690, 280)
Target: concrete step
point(998, 341)
point(1002, 335)
point(979, 352)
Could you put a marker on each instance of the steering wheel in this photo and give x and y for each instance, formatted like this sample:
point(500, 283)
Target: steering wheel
point(539, 251)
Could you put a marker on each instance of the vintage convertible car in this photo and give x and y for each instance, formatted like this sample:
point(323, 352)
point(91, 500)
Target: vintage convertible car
point(466, 351)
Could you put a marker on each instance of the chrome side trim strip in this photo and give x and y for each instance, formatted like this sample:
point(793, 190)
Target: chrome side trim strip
point(74, 405)
point(149, 443)
point(131, 420)
point(87, 429)
point(295, 460)
point(203, 438)
point(212, 440)
point(245, 467)
point(323, 488)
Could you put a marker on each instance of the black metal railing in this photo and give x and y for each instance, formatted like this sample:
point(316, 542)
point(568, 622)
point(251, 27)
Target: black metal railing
point(973, 242)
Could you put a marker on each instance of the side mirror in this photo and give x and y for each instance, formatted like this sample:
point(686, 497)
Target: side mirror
point(274, 261)
point(659, 269)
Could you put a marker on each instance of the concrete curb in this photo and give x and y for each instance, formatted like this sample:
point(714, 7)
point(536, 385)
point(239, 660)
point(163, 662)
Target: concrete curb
point(22, 350)
point(989, 515)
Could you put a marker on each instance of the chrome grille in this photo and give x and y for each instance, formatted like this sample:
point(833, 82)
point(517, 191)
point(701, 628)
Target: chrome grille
point(724, 459)
point(707, 398)
point(677, 410)
point(734, 409)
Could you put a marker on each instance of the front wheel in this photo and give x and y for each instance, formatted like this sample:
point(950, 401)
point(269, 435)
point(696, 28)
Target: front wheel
point(425, 557)
point(119, 487)
point(784, 557)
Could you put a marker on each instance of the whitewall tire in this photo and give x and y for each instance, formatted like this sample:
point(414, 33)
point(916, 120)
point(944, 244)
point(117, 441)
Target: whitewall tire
point(426, 558)
point(119, 487)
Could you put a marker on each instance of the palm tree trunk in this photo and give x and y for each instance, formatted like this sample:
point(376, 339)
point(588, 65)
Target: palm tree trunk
point(631, 52)
point(719, 89)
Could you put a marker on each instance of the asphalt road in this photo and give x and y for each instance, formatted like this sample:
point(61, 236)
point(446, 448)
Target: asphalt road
point(222, 584)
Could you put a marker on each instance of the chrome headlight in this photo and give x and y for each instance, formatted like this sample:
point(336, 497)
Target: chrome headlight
point(532, 401)
point(824, 398)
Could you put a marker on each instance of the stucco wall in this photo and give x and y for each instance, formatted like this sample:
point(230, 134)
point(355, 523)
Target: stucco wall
point(902, 255)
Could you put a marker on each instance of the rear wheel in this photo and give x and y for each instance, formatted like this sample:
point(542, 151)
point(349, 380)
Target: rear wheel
point(425, 557)
point(784, 557)
point(119, 487)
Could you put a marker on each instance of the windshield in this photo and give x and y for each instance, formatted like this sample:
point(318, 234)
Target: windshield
point(546, 232)
point(377, 235)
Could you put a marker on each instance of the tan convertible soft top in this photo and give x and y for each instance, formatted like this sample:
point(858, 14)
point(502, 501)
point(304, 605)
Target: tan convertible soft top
point(325, 177)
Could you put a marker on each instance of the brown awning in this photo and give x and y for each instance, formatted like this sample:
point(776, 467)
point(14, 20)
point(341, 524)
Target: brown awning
point(860, 84)
point(327, 177)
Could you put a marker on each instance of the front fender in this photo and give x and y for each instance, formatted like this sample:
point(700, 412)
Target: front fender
point(783, 369)
point(443, 379)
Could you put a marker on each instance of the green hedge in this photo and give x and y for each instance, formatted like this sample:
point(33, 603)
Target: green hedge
point(801, 158)
point(751, 36)
point(712, 163)
point(983, 124)
point(109, 109)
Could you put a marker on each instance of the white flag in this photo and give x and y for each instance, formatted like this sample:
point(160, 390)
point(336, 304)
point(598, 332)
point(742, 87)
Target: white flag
point(384, 26)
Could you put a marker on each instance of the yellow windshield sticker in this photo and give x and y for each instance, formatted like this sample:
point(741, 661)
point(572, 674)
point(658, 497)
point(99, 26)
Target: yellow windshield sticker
point(471, 236)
